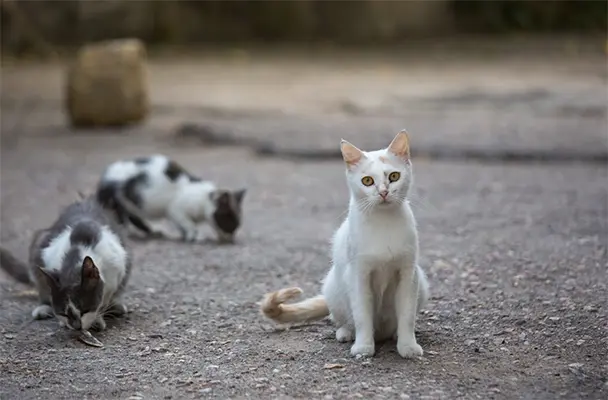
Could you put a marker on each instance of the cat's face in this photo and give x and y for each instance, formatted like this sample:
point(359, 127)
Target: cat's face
point(76, 294)
point(380, 178)
point(226, 218)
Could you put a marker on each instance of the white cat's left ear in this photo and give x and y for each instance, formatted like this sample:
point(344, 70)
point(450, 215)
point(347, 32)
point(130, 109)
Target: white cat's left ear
point(400, 146)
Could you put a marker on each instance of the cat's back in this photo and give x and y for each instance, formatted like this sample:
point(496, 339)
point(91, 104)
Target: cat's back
point(88, 215)
point(123, 170)
point(82, 223)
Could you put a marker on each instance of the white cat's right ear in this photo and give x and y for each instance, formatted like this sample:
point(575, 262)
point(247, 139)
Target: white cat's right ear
point(350, 153)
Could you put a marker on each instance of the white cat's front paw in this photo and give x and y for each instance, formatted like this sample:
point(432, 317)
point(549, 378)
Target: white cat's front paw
point(344, 334)
point(43, 311)
point(363, 349)
point(409, 349)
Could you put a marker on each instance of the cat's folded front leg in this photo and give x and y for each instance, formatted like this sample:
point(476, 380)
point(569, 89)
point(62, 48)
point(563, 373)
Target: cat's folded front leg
point(362, 302)
point(117, 309)
point(99, 324)
point(406, 299)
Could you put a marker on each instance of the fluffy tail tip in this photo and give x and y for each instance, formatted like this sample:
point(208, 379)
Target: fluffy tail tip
point(272, 304)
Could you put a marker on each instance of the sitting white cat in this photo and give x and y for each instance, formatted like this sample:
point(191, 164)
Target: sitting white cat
point(375, 287)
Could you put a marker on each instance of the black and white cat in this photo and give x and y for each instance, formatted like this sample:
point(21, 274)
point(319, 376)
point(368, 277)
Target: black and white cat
point(79, 265)
point(157, 187)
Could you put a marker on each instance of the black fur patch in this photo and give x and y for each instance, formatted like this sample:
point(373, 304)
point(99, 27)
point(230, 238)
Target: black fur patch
point(226, 220)
point(225, 216)
point(141, 160)
point(173, 171)
point(132, 188)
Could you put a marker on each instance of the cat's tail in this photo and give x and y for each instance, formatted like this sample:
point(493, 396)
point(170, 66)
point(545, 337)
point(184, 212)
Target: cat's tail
point(13, 266)
point(110, 195)
point(310, 309)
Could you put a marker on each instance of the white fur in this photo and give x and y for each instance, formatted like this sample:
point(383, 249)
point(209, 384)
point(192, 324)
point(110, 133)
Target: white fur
point(42, 311)
point(192, 204)
point(52, 255)
point(184, 202)
point(375, 286)
point(110, 257)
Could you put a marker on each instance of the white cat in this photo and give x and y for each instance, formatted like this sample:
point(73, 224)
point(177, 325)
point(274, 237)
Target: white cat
point(375, 287)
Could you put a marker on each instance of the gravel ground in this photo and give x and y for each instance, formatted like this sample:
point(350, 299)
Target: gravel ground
point(516, 253)
point(516, 256)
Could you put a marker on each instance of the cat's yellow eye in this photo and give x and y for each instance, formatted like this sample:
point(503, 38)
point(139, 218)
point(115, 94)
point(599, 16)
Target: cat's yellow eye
point(367, 180)
point(394, 176)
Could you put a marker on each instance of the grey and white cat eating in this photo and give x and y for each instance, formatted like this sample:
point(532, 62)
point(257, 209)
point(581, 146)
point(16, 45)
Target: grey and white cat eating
point(79, 265)
point(157, 187)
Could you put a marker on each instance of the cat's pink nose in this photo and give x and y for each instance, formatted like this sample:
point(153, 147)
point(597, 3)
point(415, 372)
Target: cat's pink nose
point(384, 193)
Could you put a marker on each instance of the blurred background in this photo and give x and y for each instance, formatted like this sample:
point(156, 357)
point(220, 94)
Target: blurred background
point(355, 22)
point(434, 64)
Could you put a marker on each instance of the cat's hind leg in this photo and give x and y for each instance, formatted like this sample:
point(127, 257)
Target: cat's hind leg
point(345, 334)
point(44, 309)
point(338, 307)
point(423, 288)
point(142, 226)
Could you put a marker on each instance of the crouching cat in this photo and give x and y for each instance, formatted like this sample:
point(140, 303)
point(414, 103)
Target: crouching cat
point(375, 287)
point(157, 187)
point(79, 265)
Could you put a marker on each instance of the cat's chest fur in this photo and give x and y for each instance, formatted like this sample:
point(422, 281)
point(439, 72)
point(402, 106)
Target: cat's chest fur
point(385, 239)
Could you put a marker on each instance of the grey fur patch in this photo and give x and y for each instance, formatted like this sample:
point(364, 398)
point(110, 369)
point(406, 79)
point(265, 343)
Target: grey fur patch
point(86, 233)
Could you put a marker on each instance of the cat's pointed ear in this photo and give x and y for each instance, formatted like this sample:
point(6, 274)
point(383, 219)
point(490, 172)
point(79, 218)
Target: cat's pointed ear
point(220, 197)
point(350, 153)
point(239, 194)
point(51, 278)
point(400, 146)
point(90, 272)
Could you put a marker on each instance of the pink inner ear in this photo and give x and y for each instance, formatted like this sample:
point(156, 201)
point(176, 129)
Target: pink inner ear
point(400, 146)
point(89, 269)
point(350, 153)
